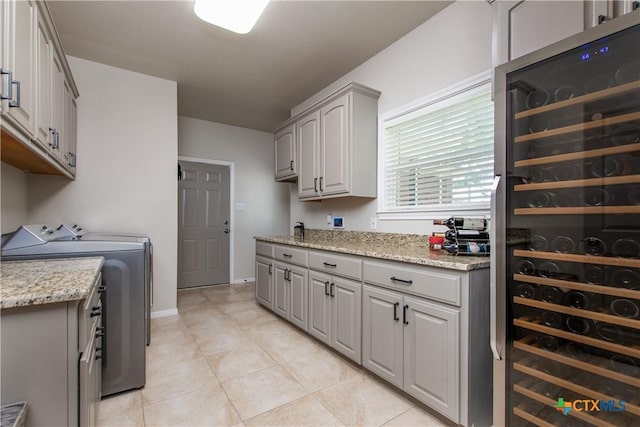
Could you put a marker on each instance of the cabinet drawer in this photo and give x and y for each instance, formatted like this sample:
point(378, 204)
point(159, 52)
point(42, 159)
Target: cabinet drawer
point(291, 255)
point(264, 249)
point(430, 283)
point(340, 265)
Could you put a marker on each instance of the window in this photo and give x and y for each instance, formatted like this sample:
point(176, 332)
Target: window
point(437, 155)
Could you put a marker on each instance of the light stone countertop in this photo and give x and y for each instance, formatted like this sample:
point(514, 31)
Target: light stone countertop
point(388, 246)
point(44, 281)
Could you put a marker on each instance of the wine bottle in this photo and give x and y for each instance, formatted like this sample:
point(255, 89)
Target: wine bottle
point(626, 278)
point(582, 300)
point(552, 319)
point(537, 98)
point(578, 325)
point(563, 245)
point(467, 248)
point(626, 248)
point(526, 267)
point(538, 243)
point(539, 199)
point(609, 332)
point(596, 197)
point(593, 274)
point(564, 199)
point(624, 307)
point(551, 294)
point(525, 290)
point(607, 167)
point(463, 223)
point(549, 342)
point(563, 93)
point(566, 172)
point(548, 269)
point(593, 246)
point(623, 364)
point(453, 235)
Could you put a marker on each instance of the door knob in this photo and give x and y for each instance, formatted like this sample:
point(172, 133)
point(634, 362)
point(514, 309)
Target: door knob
point(226, 223)
point(226, 231)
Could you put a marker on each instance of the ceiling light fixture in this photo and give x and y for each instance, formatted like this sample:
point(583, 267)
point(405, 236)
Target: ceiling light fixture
point(235, 15)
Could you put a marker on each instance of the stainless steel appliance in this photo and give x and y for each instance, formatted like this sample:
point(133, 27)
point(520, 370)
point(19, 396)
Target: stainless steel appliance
point(127, 276)
point(566, 265)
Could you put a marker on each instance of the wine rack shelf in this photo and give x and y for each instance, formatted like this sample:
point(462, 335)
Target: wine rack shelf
point(579, 155)
point(568, 385)
point(578, 100)
point(577, 183)
point(593, 342)
point(580, 127)
point(583, 259)
point(550, 402)
point(579, 210)
point(531, 418)
point(569, 361)
point(587, 314)
point(577, 286)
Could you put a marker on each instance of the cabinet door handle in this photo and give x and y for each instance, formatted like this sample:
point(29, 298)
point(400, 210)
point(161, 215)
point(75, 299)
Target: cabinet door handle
point(315, 184)
point(395, 311)
point(270, 272)
point(72, 159)
point(291, 165)
point(406, 282)
point(286, 274)
point(96, 311)
point(326, 289)
point(9, 94)
point(331, 290)
point(15, 103)
point(287, 255)
point(328, 264)
point(321, 189)
point(404, 314)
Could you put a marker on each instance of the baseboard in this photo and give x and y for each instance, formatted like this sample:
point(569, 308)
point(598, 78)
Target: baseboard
point(164, 313)
point(246, 280)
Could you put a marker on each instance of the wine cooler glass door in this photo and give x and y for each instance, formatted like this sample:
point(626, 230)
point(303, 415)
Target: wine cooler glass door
point(573, 230)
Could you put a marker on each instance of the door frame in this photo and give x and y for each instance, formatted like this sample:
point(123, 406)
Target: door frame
point(231, 166)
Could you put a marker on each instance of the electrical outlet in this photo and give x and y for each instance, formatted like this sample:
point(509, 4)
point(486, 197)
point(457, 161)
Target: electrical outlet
point(373, 224)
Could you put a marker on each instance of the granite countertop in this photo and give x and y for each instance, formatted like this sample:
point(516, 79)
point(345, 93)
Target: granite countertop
point(44, 281)
point(389, 246)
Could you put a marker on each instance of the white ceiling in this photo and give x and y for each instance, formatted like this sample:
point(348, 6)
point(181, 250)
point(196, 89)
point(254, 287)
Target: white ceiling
point(296, 49)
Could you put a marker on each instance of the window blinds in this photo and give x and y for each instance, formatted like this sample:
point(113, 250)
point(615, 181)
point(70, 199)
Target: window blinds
point(442, 159)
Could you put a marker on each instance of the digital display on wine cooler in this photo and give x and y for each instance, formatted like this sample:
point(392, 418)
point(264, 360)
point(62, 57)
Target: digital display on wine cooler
point(597, 52)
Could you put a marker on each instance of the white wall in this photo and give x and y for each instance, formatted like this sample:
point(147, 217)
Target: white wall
point(266, 202)
point(13, 204)
point(126, 179)
point(450, 47)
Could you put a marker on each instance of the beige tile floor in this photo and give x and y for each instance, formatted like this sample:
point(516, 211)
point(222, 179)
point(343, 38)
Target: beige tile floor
point(226, 361)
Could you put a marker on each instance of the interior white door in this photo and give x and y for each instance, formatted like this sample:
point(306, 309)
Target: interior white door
point(204, 228)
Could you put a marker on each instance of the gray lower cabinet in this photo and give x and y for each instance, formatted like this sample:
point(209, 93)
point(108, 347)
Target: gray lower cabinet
point(264, 281)
point(335, 313)
point(413, 344)
point(290, 293)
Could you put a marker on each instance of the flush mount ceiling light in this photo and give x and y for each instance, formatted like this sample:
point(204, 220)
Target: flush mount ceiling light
point(235, 15)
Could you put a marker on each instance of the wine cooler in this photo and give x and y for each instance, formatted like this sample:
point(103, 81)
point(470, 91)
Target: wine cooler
point(566, 244)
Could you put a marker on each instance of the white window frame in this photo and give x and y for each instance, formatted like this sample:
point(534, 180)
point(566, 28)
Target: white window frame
point(440, 99)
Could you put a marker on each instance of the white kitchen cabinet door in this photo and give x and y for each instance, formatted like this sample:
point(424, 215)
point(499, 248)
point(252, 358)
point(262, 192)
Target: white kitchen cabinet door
point(431, 355)
point(308, 135)
point(281, 290)
point(70, 121)
point(20, 58)
point(43, 96)
point(346, 318)
point(264, 281)
point(382, 333)
point(320, 307)
point(334, 147)
point(58, 106)
point(285, 154)
point(297, 278)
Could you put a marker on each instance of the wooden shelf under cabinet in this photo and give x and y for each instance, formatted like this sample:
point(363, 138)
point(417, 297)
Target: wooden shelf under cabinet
point(579, 210)
point(577, 183)
point(593, 342)
point(594, 96)
point(579, 155)
point(568, 385)
point(18, 155)
point(587, 314)
point(577, 286)
point(584, 259)
point(579, 127)
point(524, 345)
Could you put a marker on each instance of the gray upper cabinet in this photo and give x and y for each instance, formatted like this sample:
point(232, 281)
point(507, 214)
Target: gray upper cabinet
point(521, 27)
point(38, 91)
point(334, 146)
point(286, 154)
